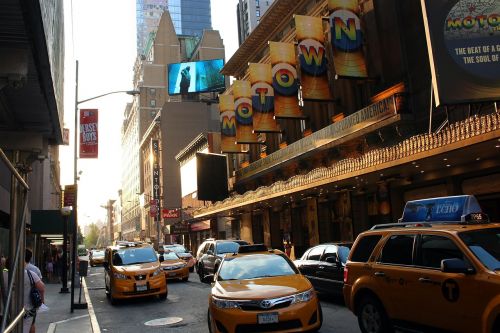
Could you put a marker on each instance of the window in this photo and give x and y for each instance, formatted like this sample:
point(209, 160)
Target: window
point(152, 102)
point(330, 251)
point(436, 248)
point(364, 248)
point(211, 247)
point(152, 91)
point(315, 253)
point(398, 250)
point(257, 13)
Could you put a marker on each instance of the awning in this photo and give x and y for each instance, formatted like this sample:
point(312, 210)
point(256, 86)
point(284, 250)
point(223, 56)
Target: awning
point(49, 222)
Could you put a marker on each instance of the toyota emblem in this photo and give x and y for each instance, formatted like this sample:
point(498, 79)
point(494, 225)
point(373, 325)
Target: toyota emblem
point(266, 304)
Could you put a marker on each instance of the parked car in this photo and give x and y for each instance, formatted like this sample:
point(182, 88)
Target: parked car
point(183, 253)
point(211, 252)
point(324, 266)
point(439, 269)
point(96, 257)
point(261, 290)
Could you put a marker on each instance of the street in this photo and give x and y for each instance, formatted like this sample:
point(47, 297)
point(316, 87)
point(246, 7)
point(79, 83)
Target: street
point(186, 300)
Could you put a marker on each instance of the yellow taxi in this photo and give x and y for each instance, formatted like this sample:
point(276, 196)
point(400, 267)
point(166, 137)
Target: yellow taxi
point(260, 290)
point(96, 257)
point(133, 270)
point(438, 269)
point(173, 266)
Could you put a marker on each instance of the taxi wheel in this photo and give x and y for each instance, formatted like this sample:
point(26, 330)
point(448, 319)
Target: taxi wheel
point(201, 273)
point(191, 269)
point(185, 278)
point(112, 300)
point(163, 297)
point(372, 317)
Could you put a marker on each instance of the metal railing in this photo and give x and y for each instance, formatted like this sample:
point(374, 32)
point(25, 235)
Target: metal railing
point(455, 132)
point(17, 259)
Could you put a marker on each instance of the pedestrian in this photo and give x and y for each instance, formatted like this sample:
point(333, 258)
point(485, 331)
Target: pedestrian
point(29, 266)
point(288, 248)
point(31, 280)
point(49, 266)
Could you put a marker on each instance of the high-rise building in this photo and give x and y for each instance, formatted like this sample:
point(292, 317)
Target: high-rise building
point(249, 13)
point(190, 17)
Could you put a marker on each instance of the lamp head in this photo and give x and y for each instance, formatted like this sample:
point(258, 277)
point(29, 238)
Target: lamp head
point(133, 92)
point(66, 211)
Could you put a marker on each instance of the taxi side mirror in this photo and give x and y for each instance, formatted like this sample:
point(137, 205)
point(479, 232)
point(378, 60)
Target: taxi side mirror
point(456, 265)
point(208, 278)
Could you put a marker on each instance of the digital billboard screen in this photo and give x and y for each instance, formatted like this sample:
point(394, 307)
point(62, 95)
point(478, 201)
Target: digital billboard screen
point(195, 77)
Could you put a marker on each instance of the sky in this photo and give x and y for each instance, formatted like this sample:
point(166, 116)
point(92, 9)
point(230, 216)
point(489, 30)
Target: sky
point(101, 35)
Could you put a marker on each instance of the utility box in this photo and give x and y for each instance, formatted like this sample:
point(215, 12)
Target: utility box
point(83, 267)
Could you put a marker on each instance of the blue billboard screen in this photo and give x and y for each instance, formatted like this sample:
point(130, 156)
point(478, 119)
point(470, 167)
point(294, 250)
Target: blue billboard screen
point(195, 77)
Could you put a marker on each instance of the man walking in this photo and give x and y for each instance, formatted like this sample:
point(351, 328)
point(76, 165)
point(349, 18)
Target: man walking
point(32, 279)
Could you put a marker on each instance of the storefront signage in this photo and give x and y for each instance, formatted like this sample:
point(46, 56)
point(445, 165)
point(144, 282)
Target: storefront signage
point(365, 117)
point(155, 151)
point(171, 213)
point(179, 228)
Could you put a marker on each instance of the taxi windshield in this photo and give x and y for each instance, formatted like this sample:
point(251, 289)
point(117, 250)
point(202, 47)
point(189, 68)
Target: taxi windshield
point(130, 256)
point(255, 266)
point(485, 244)
point(175, 248)
point(170, 256)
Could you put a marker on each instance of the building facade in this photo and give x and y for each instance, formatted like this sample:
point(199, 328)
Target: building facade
point(249, 14)
point(353, 159)
point(170, 121)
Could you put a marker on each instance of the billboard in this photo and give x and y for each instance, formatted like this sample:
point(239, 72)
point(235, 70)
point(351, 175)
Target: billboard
point(347, 38)
point(211, 177)
point(464, 49)
point(262, 98)
point(312, 58)
point(89, 139)
point(196, 77)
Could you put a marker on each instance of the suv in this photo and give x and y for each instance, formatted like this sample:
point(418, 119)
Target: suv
point(211, 252)
point(440, 269)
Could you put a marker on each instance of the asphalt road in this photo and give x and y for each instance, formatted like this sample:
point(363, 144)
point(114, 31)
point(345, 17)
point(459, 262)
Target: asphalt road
point(187, 300)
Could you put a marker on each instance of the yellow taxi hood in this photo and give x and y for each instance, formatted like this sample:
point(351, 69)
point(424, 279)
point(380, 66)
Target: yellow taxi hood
point(268, 287)
point(137, 268)
point(172, 262)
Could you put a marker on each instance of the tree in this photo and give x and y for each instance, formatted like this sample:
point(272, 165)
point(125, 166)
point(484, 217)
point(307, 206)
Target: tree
point(80, 236)
point(92, 236)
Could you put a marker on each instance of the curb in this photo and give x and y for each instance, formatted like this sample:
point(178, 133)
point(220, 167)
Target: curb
point(93, 319)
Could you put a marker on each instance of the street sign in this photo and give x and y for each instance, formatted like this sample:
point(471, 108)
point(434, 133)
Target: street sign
point(69, 195)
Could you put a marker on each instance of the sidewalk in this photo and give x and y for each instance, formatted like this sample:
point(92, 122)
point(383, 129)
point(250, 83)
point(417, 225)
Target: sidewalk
point(59, 318)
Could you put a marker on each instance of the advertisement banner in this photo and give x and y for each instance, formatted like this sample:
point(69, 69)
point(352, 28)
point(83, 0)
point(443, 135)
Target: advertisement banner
point(69, 195)
point(285, 80)
point(66, 136)
point(463, 40)
point(153, 208)
point(88, 133)
point(312, 58)
point(228, 125)
point(262, 98)
point(171, 213)
point(244, 112)
point(347, 38)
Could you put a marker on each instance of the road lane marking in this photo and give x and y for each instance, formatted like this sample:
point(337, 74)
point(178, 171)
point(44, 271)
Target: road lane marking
point(93, 319)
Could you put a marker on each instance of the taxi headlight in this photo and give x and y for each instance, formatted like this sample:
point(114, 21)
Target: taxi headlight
point(120, 276)
point(156, 272)
point(306, 296)
point(224, 303)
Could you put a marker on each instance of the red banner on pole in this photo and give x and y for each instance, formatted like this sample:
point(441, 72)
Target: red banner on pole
point(88, 133)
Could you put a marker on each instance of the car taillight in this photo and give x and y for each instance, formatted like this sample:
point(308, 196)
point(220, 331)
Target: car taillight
point(345, 274)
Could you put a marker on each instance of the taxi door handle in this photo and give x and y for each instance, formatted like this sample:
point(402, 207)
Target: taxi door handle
point(425, 280)
point(379, 274)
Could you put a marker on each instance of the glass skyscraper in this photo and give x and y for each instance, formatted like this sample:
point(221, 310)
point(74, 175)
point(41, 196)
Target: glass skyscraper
point(190, 17)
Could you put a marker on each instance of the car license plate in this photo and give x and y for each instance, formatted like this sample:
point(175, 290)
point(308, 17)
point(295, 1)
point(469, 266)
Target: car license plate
point(143, 287)
point(172, 274)
point(267, 318)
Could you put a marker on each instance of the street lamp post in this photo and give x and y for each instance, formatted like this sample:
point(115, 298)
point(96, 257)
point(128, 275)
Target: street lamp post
point(75, 177)
point(65, 212)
